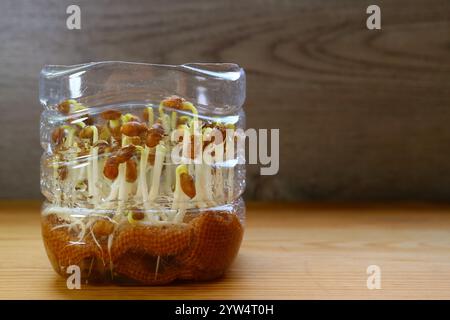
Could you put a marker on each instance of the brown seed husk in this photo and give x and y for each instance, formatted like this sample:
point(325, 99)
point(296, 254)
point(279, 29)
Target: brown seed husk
point(111, 114)
point(131, 171)
point(200, 249)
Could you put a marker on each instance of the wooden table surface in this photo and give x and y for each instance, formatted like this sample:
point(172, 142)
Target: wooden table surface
point(289, 252)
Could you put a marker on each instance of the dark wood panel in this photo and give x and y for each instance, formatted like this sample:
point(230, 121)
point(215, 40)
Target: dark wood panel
point(363, 114)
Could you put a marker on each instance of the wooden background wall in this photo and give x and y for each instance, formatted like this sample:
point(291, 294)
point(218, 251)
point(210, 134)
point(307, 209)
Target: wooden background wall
point(364, 115)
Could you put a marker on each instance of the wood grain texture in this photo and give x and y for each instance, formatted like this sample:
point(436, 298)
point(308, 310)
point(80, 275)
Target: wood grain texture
point(363, 114)
point(289, 252)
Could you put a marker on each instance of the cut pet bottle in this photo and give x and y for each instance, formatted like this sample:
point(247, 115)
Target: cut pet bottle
point(140, 170)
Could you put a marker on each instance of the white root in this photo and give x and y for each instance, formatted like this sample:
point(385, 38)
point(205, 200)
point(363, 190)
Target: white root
point(65, 225)
point(90, 267)
point(97, 244)
point(70, 213)
point(82, 232)
point(110, 242)
point(157, 267)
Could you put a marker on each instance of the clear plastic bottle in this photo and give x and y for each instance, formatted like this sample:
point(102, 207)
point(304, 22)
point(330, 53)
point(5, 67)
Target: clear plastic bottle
point(140, 170)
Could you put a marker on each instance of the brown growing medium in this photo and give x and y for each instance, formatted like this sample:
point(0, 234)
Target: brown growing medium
point(218, 236)
point(200, 249)
point(63, 246)
point(151, 240)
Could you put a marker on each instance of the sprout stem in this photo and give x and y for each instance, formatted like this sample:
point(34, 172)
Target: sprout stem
point(229, 140)
point(173, 120)
point(157, 169)
point(151, 117)
point(218, 181)
point(143, 188)
point(94, 157)
point(114, 193)
point(122, 182)
point(157, 267)
point(180, 199)
point(89, 176)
